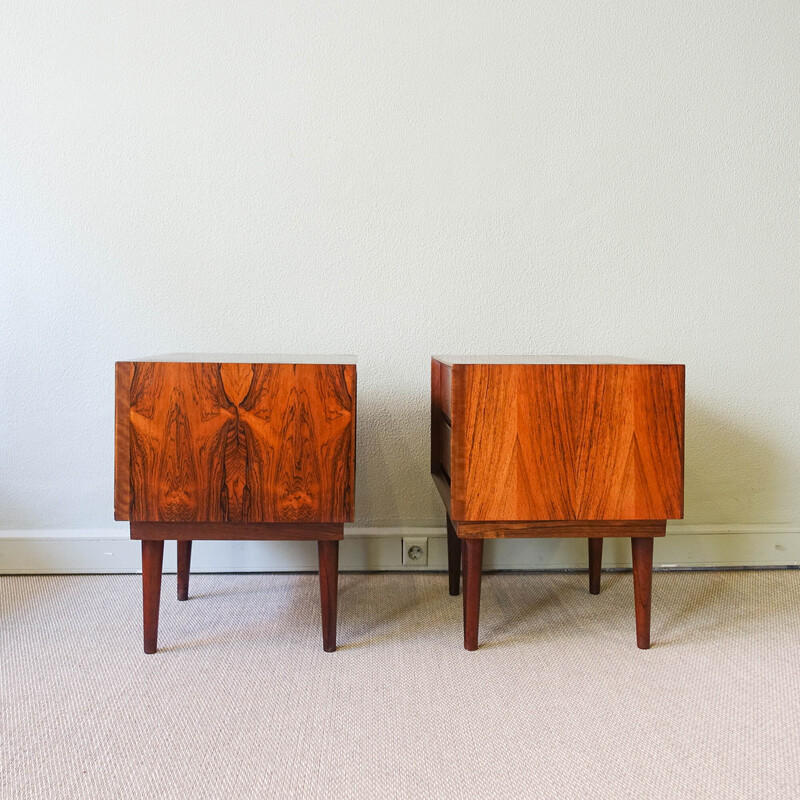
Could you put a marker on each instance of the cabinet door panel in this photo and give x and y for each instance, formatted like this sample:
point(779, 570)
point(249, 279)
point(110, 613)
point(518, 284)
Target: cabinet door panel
point(567, 442)
point(239, 442)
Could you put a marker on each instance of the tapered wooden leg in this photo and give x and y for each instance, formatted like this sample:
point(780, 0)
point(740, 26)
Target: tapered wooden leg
point(595, 564)
point(642, 550)
point(464, 560)
point(328, 585)
point(473, 566)
point(152, 560)
point(453, 557)
point(184, 562)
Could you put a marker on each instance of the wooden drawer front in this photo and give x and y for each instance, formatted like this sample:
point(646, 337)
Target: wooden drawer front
point(207, 442)
point(444, 434)
point(441, 433)
point(568, 442)
point(446, 391)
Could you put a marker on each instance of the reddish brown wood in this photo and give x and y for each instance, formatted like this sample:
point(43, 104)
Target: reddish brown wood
point(238, 531)
point(560, 529)
point(184, 567)
point(473, 567)
point(558, 448)
point(453, 557)
point(567, 442)
point(642, 551)
point(328, 584)
point(248, 451)
point(464, 565)
point(152, 561)
point(226, 442)
point(122, 443)
point(595, 564)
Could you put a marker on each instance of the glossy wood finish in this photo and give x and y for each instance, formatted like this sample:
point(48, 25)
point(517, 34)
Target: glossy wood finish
point(473, 566)
point(453, 557)
point(122, 440)
point(234, 451)
point(595, 564)
point(232, 442)
point(558, 447)
point(642, 552)
point(328, 584)
point(152, 562)
point(567, 442)
point(184, 567)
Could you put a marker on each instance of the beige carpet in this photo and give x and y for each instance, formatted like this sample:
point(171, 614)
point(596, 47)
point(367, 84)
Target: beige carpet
point(242, 702)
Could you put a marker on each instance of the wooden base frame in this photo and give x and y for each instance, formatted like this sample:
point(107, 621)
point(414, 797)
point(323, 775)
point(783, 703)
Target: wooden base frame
point(466, 540)
point(154, 534)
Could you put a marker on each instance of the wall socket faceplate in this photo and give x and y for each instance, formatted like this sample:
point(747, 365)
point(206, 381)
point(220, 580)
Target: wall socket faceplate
point(415, 551)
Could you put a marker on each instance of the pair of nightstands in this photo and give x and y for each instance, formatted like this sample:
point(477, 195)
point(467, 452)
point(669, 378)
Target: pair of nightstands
point(264, 448)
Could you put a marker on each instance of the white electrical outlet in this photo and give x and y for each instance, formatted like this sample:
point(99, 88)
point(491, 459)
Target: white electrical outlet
point(415, 551)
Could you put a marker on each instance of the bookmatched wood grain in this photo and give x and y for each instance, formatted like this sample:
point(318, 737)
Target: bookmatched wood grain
point(566, 442)
point(204, 442)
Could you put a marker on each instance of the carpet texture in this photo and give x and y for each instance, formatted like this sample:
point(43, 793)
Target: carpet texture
point(241, 701)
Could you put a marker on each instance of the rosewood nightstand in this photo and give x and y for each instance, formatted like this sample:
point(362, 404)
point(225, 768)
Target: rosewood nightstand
point(215, 447)
point(556, 446)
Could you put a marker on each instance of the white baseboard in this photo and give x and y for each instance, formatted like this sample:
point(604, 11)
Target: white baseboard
point(109, 550)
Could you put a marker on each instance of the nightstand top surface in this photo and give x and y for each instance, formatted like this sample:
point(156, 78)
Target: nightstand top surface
point(541, 359)
point(239, 358)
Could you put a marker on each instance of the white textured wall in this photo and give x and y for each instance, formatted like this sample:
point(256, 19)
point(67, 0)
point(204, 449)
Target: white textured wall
point(395, 179)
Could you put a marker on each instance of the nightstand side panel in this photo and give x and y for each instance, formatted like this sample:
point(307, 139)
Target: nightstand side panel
point(660, 425)
point(567, 442)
